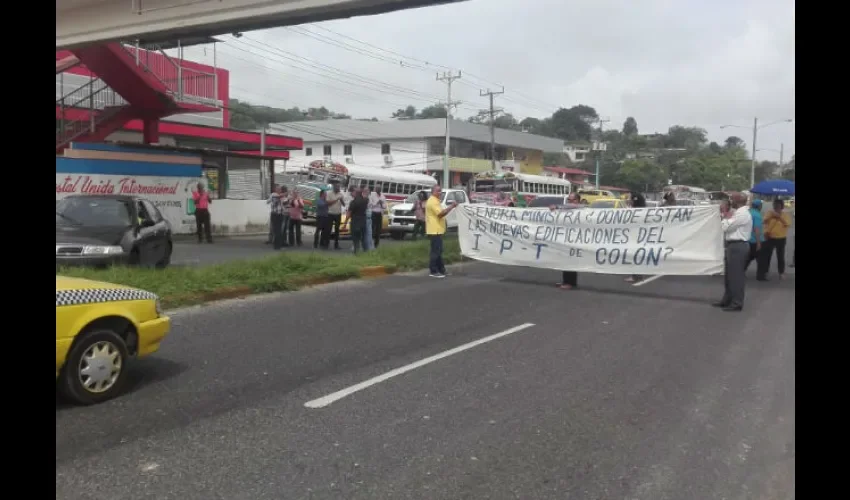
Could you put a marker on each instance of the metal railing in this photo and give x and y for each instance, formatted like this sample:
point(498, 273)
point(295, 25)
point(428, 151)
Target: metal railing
point(182, 83)
point(94, 95)
point(68, 130)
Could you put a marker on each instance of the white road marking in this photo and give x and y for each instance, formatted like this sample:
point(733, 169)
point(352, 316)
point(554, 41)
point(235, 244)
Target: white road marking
point(348, 391)
point(648, 280)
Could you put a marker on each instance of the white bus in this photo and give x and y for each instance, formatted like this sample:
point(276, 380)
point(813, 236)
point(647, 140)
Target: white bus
point(396, 185)
point(510, 189)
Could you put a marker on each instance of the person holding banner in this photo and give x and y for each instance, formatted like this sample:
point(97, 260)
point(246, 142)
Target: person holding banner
point(637, 201)
point(435, 228)
point(569, 279)
point(737, 226)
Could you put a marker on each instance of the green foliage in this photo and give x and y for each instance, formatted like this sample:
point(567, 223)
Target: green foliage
point(281, 272)
point(244, 116)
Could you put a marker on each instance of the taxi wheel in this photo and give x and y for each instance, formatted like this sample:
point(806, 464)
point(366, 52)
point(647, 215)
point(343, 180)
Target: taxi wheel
point(585, 202)
point(95, 370)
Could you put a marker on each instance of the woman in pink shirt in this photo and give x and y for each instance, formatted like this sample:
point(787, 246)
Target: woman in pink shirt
point(202, 213)
point(296, 215)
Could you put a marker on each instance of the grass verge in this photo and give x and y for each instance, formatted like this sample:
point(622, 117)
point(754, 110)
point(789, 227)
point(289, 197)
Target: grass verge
point(180, 286)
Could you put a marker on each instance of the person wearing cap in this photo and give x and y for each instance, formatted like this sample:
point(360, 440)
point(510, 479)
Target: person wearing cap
point(757, 237)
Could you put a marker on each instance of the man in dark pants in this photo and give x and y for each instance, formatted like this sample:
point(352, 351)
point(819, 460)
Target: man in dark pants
point(276, 212)
point(335, 206)
point(321, 238)
point(435, 228)
point(357, 215)
point(202, 213)
point(637, 201)
point(737, 227)
point(378, 203)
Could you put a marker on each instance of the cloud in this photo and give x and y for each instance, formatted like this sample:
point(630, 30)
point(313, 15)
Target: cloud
point(665, 62)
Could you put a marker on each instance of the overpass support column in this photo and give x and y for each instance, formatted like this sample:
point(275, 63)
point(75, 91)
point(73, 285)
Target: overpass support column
point(150, 130)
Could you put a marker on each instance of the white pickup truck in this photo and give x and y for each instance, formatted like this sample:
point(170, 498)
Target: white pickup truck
point(402, 215)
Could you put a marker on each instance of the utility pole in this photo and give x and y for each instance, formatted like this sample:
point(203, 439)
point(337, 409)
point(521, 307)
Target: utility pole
point(492, 114)
point(781, 157)
point(753, 162)
point(449, 78)
point(600, 147)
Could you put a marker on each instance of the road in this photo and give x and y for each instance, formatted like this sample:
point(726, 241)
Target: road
point(615, 392)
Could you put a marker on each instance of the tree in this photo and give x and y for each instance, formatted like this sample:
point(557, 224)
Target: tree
point(630, 127)
point(434, 111)
point(638, 175)
point(407, 113)
point(573, 124)
point(732, 142)
point(533, 126)
point(680, 137)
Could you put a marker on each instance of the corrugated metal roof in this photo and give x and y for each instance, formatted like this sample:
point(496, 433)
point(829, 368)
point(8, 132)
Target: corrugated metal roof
point(361, 130)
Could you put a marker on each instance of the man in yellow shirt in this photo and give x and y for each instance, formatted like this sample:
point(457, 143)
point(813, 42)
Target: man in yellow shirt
point(776, 224)
point(435, 228)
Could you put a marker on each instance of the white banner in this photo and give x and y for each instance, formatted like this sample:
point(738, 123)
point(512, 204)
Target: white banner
point(170, 195)
point(676, 240)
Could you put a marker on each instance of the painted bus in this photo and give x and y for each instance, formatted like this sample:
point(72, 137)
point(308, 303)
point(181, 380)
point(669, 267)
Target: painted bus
point(515, 190)
point(395, 185)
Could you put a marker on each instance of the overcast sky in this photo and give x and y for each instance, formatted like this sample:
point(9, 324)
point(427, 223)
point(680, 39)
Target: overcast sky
point(665, 62)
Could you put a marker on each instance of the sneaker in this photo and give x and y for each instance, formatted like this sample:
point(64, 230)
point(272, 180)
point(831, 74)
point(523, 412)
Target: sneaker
point(437, 275)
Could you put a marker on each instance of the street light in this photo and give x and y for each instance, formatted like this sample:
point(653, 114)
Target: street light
point(756, 129)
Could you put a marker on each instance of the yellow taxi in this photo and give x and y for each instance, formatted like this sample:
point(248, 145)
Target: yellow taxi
point(608, 203)
point(588, 196)
point(99, 327)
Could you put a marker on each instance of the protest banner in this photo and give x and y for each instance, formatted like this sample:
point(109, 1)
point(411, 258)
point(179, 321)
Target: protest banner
point(683, 240)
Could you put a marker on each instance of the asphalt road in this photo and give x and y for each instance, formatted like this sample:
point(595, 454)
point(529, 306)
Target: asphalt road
point(615, 392)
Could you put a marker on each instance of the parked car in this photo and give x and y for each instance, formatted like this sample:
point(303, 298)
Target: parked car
point(99, 327)
point(402, 215)
point(102, 230)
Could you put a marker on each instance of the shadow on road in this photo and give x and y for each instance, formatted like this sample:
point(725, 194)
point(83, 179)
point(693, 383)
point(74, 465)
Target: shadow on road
point(141, 373)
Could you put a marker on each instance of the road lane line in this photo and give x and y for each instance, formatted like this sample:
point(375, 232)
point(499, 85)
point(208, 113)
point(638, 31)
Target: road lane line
point(648, 280)
point(348, 391)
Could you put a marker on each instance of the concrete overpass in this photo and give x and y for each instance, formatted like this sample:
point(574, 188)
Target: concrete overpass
point(81, 22)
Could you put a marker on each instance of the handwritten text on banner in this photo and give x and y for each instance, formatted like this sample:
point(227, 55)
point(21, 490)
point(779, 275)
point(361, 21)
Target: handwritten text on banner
point(676, 240)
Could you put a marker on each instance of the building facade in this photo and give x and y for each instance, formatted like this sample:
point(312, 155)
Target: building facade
point(418, 145)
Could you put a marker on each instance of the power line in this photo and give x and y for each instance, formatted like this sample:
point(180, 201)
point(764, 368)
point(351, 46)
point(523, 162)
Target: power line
point(532, 102)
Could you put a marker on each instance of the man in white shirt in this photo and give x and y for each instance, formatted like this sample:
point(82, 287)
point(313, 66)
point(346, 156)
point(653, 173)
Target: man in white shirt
point(377, 205)
point(737, 225)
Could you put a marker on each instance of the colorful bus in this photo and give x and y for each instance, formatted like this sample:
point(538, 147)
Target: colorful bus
point(396, 185)
point(510, 189)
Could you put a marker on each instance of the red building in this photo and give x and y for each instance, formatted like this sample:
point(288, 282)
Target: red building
point(118, 92)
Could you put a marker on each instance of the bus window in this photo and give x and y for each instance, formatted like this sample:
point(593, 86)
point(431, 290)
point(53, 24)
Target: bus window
point(390, 187)
point(371, 185)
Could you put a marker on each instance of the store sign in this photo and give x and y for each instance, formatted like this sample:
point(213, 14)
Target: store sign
point(171, 195)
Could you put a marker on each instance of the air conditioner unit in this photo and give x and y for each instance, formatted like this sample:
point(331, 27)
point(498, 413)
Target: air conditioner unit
point(349, 159)
point(388, 159)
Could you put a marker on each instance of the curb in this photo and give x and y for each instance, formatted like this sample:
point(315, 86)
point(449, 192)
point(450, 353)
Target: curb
point(238, 292)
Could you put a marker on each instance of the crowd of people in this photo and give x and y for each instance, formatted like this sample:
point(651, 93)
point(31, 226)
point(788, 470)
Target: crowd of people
point(364, 216)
